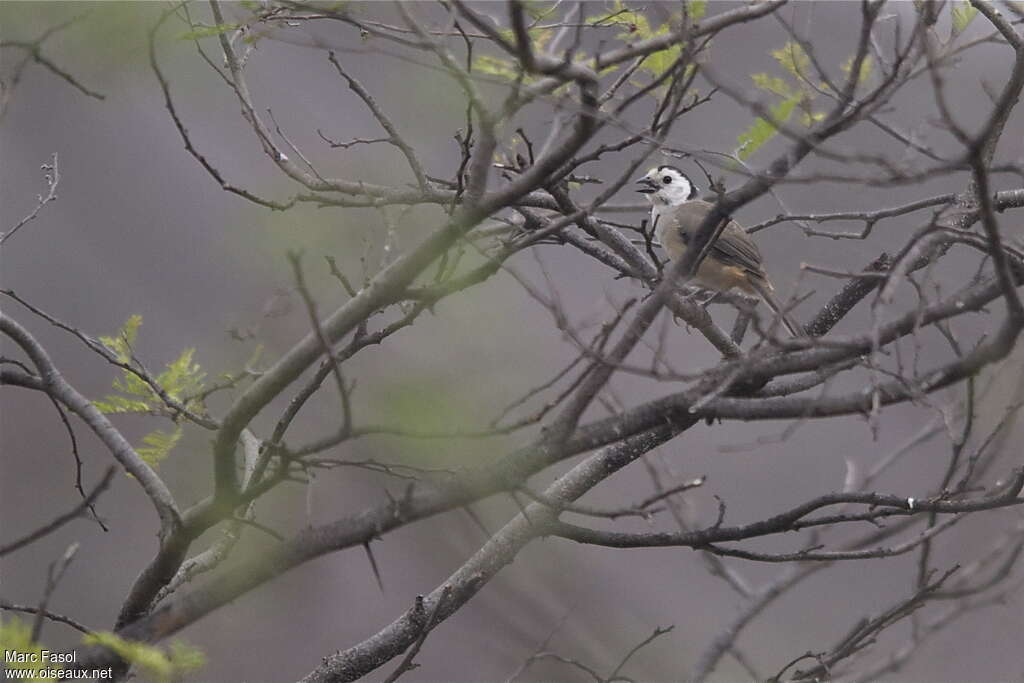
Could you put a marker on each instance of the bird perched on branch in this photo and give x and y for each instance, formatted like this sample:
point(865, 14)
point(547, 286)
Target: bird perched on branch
point(733, 262)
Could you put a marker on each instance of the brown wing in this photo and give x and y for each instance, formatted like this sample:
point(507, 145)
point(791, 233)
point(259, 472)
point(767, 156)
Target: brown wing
point(734, 247)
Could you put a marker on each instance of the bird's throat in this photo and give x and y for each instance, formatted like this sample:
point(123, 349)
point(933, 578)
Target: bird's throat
point(659, 220)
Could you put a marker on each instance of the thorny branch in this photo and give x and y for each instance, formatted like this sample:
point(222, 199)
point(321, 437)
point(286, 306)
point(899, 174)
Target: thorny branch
point(505, 196)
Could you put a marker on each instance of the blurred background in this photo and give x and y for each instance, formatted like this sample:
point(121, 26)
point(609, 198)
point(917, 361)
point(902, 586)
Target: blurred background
point(139, 228)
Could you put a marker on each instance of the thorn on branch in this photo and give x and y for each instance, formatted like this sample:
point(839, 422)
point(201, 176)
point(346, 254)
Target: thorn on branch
point(417, 615)
point(374, 566)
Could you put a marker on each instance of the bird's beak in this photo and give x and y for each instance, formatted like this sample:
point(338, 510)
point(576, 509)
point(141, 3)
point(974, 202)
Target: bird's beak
point(647, 186)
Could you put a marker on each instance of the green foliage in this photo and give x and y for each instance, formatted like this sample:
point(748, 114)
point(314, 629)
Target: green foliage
point(793, 59)
point(963, 14)
point(772, 84)
point(865, 67)
point(809, 118)
point(538, 10)
point(122, 344)
point(506, 68)
point(114, 404)
point(152, 662)
point(182, 379)
point(208, 31)
point(661, 61)
point(158, 445)
point(640, 29)
point(763, 130)
point(495, 66)
point(16, 637)
point(636, 28)
point(793, 90)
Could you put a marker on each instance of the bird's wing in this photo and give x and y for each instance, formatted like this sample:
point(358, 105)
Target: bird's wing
point(734, 247)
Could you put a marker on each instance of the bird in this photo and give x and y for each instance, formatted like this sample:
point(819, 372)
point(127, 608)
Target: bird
point(734, 261)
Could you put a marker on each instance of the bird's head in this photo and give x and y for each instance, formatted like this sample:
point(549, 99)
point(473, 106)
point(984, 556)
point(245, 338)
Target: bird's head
point(666, 185)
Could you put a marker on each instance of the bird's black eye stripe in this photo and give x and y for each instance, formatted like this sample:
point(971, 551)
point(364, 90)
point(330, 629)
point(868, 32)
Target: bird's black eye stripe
point(667, 180)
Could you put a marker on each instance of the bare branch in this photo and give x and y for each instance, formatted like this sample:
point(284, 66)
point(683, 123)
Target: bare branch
point(52, 174)
point(63, 519)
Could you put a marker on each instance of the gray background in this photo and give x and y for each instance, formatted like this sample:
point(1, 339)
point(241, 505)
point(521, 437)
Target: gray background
point(139, 228)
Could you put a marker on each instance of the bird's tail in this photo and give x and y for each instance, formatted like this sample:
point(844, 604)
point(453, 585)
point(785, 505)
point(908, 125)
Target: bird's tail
point(764, 290)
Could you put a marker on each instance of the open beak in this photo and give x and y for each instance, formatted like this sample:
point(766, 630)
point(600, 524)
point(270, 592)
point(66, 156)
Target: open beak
point(646, 186)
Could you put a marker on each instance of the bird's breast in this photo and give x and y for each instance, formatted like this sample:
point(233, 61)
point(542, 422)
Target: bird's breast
point(712, 274)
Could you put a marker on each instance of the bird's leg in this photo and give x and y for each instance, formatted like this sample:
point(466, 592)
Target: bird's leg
point(695, 294)
point(710, 296)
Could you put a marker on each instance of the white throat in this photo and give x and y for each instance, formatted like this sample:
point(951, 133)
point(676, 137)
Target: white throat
point(660, 218)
